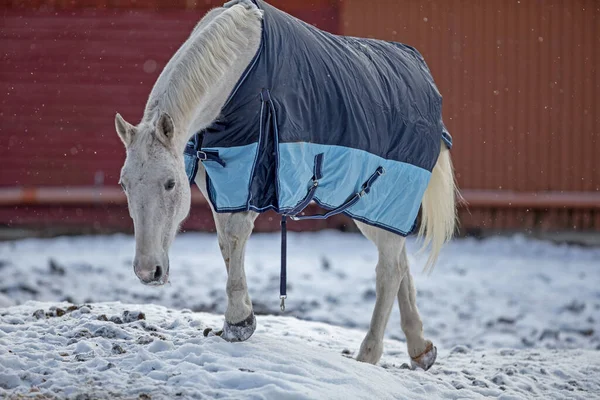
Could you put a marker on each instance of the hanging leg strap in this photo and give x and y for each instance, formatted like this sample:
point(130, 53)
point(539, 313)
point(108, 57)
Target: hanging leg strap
point(352, 200)
point(283, 275)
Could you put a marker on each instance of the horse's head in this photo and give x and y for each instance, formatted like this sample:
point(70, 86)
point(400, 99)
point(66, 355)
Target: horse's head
point(158, 193)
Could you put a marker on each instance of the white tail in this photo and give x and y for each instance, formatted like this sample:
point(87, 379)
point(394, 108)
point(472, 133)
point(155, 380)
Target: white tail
point(438, 210)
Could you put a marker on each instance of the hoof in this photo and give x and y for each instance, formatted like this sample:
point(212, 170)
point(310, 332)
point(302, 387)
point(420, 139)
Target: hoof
point(426, 359)
point(240, 331)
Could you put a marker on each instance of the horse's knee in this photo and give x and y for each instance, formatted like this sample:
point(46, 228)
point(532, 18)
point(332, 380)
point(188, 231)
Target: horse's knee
point(236, 227)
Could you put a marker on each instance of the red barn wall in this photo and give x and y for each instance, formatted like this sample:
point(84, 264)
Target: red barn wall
point(67, 68)
point(521, 87)
point(66, 72)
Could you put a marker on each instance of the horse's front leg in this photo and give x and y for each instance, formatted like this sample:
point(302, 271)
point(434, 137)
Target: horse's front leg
point(233, 231)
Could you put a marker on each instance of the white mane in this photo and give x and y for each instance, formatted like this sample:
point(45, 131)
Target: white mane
point(202, 61)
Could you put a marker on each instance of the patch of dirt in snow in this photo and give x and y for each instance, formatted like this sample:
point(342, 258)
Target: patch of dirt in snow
point(114, 351)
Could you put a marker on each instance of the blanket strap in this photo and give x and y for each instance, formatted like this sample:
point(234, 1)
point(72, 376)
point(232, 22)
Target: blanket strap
point(365, 189)
point(193, 149)
point(210, 155)
point(190, 150)
point(317, 174)
point(352, 200)
point(283, 274)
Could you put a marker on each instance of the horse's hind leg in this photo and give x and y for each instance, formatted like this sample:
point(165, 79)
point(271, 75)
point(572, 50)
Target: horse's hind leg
point(421, 351)
point(233, 231)
point(389, 274)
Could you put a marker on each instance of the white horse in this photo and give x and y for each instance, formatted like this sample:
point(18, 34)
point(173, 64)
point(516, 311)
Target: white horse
point(187, 97)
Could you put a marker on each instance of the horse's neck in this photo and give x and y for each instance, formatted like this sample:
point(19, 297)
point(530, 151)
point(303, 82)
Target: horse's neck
point(198, 79)
point(211, 104)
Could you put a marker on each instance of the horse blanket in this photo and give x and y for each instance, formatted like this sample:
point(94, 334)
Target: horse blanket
point(353, 124)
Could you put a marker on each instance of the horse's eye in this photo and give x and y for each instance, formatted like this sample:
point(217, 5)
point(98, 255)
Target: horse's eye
point(170, 184)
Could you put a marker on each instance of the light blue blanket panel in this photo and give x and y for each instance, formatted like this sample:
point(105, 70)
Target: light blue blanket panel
point(394, 197)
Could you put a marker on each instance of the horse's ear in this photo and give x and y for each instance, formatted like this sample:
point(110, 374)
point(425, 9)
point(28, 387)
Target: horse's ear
point(165, 129)
point(125, 130)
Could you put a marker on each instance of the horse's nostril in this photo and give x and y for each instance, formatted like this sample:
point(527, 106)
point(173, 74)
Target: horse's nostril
point(157, 273)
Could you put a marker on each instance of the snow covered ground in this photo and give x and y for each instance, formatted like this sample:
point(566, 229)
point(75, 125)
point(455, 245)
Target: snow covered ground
point(511, 317)
point(112, 350)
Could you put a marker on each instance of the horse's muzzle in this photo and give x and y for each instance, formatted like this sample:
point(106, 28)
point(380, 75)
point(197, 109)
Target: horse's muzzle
point(151, 274)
